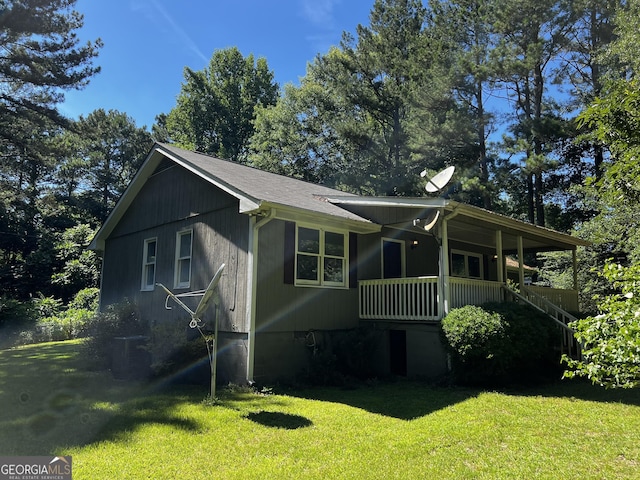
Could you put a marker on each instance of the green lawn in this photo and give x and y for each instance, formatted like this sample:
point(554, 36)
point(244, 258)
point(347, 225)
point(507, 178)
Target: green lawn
point(115, 429)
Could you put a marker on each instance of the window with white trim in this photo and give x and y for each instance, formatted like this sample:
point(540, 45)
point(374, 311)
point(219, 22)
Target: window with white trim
point(149, 264)
point(466, 264)
point(321, 257)
point(183, 259)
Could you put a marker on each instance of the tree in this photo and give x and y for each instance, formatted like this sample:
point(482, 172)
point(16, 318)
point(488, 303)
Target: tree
point(585, 65)
point(41, 58)
point(532, 36)
point(79, 267)
point(375, 76)
point(466, 26)
point(296, 137)
point(611, 339)
point(112, 148)
point(215, 108)
point(352, 122)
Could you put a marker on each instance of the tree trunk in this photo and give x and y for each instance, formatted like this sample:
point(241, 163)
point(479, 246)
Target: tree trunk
point(482, 144)
point(530, 199)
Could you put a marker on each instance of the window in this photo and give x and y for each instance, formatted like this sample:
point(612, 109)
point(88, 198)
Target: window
point(465, 264)
point(320, 257)
point(183, 259)
point(149, 264)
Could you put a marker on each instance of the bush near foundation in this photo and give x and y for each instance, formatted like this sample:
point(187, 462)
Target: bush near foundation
point(502, 343)
point(339, 357)
point(118, 320)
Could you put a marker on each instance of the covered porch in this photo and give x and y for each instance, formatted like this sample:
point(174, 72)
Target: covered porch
point(467, 246)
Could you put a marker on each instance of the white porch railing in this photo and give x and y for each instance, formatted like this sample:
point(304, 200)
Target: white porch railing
point(417, 298)
point(399, 299)
point(569, 344)
point(467, 291)
point(407, 299)
point(567, 300)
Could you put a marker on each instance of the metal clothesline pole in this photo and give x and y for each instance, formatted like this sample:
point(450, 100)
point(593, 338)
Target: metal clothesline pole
point(207, 295)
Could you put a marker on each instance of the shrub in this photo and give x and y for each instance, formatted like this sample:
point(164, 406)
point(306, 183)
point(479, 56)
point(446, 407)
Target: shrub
point(13, 311)
point(117, 320)
point(87, 299)
point(47, 306)
point(70, 324)
point(501, 343)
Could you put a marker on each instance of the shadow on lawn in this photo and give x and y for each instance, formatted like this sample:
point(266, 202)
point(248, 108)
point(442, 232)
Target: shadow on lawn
point(579, 389)
point(286, 421)
point(48, 401)
point(404, 400)
point(408, 400)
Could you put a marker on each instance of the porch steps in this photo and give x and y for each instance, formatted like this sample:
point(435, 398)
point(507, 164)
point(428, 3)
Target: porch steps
point(569, 346)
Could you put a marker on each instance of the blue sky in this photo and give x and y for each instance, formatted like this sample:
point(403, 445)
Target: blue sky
point(147, 44)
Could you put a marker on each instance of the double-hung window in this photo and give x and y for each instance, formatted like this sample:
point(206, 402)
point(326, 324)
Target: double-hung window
point(149, 264)
point(183, 259)
point(321, 257)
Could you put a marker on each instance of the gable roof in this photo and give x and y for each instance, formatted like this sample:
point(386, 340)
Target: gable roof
point(254, 187)
point(258, 191)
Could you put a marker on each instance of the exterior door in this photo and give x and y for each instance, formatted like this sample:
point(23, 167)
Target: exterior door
point(392, 258)
point(398, 352)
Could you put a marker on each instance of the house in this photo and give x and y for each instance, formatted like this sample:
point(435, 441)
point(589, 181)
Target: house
point(303, 259)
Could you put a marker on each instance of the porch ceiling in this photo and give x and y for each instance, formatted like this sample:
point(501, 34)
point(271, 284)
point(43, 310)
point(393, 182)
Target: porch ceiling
point(478, 226)
point(477, 232)
point(466, 223)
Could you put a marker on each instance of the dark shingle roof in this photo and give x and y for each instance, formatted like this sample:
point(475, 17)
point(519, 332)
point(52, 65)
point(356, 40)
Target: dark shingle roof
point(261, 186)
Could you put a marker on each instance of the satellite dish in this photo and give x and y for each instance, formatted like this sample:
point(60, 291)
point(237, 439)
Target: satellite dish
point(204, 301)
point(208, 294)
point(427, 223)
point(439, 180)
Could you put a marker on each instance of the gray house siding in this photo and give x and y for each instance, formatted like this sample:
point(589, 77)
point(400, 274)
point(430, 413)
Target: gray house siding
point(171, 201)
point(286, 314)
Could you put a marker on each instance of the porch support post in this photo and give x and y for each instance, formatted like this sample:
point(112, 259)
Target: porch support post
point(499, 258)
point(520, 261)
point(444, 268)
point(575, 268)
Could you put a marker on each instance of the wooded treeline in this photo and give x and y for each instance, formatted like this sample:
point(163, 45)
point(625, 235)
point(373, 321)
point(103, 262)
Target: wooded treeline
point(533, 101)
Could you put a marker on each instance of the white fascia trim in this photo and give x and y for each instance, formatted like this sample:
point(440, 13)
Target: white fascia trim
point(405, 202)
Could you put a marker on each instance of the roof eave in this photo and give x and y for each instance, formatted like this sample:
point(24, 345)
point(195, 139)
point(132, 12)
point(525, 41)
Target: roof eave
point(404, 202)
point(148, 166)
point(289, 213)
point(519, 225)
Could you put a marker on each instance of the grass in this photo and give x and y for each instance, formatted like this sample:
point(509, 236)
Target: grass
point(49, 405)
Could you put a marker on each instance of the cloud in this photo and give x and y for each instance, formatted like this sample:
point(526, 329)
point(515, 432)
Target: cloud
point(168, 21)
point(320, 12)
